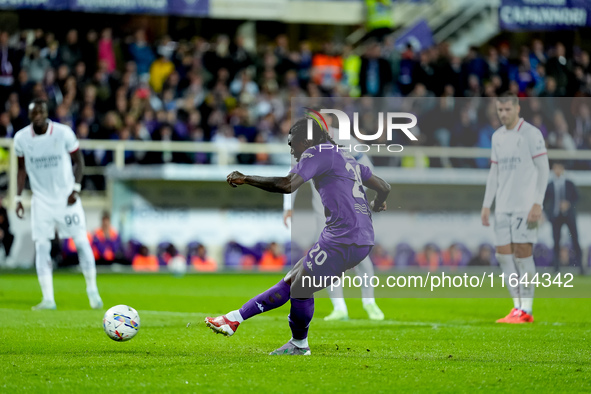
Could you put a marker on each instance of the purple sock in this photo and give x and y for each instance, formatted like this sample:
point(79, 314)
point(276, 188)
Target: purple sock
point(300, 316)
point(273, 298)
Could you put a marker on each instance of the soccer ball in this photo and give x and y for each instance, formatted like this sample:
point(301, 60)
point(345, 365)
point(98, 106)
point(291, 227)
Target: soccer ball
point(178, 266)
point(121, 323)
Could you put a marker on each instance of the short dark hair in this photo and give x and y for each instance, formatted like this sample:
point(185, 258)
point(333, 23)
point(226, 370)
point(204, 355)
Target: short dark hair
point(508, 97)
point(38, 101)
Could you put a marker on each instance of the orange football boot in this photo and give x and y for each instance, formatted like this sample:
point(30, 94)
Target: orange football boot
point(507, 319)
point(522, 317)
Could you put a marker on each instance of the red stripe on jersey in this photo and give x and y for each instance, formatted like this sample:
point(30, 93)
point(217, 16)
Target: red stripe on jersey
point(541, 154)
point(520, 124)
point(496, 162)
point(75, 150)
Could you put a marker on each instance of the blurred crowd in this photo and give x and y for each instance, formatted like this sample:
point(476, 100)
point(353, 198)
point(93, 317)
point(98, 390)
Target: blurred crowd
point(138, 87)
point(432, 257)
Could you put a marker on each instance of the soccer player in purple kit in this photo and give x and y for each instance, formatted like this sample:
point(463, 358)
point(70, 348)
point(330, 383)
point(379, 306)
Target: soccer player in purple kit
point(345, 241)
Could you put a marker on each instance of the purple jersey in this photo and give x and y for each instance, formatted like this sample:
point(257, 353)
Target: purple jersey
point(338, 177)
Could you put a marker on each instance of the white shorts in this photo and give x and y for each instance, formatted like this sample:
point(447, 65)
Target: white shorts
point(70, 221)
point(512, 228)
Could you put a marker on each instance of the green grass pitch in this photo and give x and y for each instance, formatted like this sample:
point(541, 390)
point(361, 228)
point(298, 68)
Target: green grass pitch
point(425, 345)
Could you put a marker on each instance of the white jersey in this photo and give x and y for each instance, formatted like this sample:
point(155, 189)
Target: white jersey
point(48, 162)
point(513, 151)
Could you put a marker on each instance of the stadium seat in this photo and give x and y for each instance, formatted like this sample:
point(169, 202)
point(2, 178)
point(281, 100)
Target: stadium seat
point(237, 256)
point(466, 254)
point(404, 255)
point(431, 263)
point(132, 248)
point(381, 259)
point(493, 257)
point(192, 249)
point(293, 252)
point(144, 262)
point(543, 255)
point(161, 253)
point(232, 255)
point(203, 263)
point(258, 250)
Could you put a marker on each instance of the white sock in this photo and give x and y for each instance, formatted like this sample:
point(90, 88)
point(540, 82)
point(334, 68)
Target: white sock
point(44, 268)
point(339, 304)
point(508, 266)
point(235, 316)
point(300, 342)
point(46, 283)
point(362, 269)
point(527, 266)
point(337, 298)
point(87, 263)
point(368, 301)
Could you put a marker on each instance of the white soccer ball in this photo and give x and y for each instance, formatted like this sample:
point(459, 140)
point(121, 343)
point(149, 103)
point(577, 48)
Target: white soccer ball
point(121, 323)
point(177, 265)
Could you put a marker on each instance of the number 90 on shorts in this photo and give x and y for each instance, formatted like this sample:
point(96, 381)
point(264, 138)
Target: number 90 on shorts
point(69, 221)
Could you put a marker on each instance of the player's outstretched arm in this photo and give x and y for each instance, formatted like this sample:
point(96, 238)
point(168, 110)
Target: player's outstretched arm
point(489, 193)
point(284, 185)
point(382, 188)
point(21, 178)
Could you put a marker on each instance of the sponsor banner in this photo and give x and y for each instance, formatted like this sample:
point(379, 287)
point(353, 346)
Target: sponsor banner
point(160, 7)
point(188, 7)
point(35, 4)
point(517, 15)
point(120, 6)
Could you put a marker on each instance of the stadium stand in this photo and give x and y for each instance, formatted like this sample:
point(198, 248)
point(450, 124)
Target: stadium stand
point(134, 87)
point(198, 90)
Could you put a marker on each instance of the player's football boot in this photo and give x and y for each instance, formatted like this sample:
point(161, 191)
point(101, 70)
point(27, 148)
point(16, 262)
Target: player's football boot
point(522, 317)
point(45, 304)
point(373, 311)
point(337, 315)
point(221, 325)
point(290, 349)
point(507, 319)
point(95, 301)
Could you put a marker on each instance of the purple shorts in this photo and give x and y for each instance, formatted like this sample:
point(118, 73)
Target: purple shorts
point(331, 259)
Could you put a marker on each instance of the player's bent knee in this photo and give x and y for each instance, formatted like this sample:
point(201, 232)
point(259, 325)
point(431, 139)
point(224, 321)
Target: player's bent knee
point(80, 240)
point(504, 249)
point(43, 247)
point(523, 250)
point(301, 289)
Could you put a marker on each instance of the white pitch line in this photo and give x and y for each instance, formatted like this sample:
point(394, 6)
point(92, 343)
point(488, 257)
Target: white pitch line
point(377, 323)
point(365, 321)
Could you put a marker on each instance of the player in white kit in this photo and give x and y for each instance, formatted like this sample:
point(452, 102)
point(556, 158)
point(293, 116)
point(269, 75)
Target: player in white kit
point(340, 311)
point(45, 152)
point(518, 179)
